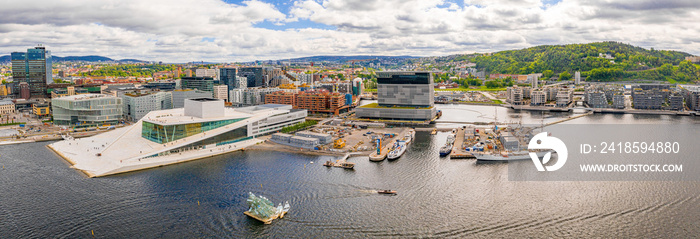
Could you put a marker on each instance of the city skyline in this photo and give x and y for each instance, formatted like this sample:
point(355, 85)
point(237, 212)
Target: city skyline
point(238, 31)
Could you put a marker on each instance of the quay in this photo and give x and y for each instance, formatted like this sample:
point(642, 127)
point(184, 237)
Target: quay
point(374, 157)
point(458, 151)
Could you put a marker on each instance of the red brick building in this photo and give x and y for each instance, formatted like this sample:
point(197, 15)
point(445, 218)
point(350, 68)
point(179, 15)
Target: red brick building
point(315, 101)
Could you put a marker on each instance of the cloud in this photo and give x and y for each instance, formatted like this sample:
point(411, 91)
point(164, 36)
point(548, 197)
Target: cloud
point(173, 30)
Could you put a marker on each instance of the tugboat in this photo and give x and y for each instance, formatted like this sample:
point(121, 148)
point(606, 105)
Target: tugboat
point(447, 148)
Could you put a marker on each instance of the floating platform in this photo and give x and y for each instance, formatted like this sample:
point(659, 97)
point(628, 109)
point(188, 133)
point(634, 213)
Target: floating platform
point(266, 221)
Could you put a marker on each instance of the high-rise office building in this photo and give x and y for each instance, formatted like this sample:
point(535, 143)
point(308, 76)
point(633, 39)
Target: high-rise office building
point(402, 95)
point(199, 83)
point(230, 77)
point(34, 68)
point(253, 74)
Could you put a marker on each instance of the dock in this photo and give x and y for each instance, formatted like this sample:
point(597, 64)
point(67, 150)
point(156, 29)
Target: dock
point(458, 151)
point(342, 163)
point(385, 149)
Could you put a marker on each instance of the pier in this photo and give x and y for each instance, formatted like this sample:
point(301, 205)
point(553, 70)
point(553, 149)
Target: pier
point(458, 151)
point(374, 157)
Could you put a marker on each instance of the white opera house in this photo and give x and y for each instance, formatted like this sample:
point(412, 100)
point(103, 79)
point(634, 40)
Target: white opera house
point(203, 128)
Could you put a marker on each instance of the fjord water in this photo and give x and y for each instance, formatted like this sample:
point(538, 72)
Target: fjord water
point(40, 196)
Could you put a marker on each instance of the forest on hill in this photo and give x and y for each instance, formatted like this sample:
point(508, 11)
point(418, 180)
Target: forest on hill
point(600, 61)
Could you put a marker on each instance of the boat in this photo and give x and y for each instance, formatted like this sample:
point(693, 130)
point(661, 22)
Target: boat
point(445, 150)
point(451, 138)
point(399, 149)
point(434, 132)
point(329, 164)
point(389, 192)
point(402, 145)
point(449, 143)
point(262, 209)
point(508, 156)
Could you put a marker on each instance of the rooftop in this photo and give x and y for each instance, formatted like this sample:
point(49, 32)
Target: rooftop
point(377, 106)
point(85, 97)
point(177, 117)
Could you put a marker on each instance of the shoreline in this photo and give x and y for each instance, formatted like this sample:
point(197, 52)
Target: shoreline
point(272, 146)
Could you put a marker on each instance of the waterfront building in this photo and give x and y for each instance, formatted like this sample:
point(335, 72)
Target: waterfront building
point(198, 83)
point(88, 109)
point(538, 97)
point(203, 128)
point(179, 96)
point(322, 138)
point(402, 95)
point(514, 95)
point(565, 97)
point(596, 99)
point(619, 101)
point(34, 68)
point(138, 104)
point(691, 95)
point(647, 99)
point(675, 102)
point(221, 92)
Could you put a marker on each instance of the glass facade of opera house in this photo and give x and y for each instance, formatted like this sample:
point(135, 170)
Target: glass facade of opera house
point(168, 133)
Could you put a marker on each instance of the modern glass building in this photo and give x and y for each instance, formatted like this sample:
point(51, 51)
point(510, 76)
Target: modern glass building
point(198, 83)
point(88, 109)
point(254, 75)
point(34, 68)
point(230, 77)
point(402, 96)
point(166, 133)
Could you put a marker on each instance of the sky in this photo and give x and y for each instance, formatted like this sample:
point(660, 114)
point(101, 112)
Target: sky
point(238, 31)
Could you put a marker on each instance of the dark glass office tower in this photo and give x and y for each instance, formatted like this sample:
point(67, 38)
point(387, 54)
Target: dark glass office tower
point(253, 74)
point(230, 77)
point(34, 68)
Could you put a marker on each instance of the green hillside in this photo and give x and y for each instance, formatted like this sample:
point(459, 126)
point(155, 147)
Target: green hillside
point(629, 63)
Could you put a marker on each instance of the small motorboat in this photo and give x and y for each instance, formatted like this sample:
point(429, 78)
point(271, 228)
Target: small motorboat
point(389, 192)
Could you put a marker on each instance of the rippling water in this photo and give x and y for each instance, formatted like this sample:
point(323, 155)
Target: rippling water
point(40, 196)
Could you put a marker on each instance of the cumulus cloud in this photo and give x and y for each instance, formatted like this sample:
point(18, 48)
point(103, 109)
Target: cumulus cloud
point(212, 30)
